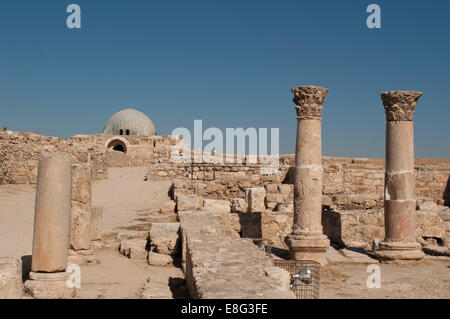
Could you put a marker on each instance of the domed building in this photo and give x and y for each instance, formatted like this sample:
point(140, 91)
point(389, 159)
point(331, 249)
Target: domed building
point(129, 122)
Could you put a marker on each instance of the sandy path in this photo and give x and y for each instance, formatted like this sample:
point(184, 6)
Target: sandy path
point(16, 220)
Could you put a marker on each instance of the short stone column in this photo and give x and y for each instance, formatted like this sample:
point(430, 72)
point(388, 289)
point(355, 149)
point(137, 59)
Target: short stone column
point(399, 190)
point(51, 228)
point(307, 241)
point(81, 216)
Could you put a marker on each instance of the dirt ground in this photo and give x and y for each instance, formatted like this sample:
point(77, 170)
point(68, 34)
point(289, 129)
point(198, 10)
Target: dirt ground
point(130, 203)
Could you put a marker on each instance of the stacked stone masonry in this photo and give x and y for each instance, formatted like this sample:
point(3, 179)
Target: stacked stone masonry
point(219, 264)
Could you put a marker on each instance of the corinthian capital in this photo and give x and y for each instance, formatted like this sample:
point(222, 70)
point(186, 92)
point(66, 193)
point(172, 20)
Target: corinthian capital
point(400, 105)
point(309, 100)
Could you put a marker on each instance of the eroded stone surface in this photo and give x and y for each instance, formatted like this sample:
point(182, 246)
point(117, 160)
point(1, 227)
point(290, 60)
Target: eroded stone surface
point(134, 248)
point(11, 286)
point(218, 261)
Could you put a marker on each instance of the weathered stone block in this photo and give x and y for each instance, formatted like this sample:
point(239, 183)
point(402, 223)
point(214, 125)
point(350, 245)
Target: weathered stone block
point(238, 205)
point(134, 248)
point(156, 259)
point(168, 207)
point(256, 199)
point(189, 202)
point(11, 286)
point(217, 206)
point(164, 238)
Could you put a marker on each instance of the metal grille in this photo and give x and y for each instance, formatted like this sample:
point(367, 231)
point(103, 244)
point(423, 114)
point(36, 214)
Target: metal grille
point(264, 244)
point(305, 277)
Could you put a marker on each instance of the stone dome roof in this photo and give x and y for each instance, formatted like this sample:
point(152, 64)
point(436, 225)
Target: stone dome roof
point(129, 122)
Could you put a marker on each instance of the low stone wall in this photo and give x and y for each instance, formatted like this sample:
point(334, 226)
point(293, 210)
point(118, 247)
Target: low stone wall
point(221, 265)
point(349, 184)
point(19, 155)
point(359, 227)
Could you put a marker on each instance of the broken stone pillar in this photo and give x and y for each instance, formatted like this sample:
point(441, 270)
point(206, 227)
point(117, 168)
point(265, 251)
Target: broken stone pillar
point(307, 241)
point(51, 228)
point(399, 195)
point(80, 217)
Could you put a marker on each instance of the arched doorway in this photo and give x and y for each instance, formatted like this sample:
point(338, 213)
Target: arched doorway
point(117, 145)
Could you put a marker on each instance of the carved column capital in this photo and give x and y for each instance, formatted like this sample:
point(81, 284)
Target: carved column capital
point(309, 100)
point(400, 105)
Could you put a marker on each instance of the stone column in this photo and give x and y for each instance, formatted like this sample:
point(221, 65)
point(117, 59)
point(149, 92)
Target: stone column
point(51, 228)
point(307, 241)
point(399, 190)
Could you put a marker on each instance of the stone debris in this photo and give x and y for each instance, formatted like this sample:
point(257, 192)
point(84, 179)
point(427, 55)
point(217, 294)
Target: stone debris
point(11, 286)
point(155, 259)
point(134, 248)
point(164, 238)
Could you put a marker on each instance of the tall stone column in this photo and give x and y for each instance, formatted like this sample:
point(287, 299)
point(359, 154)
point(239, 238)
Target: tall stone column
point(399, 189)
point(51, 228)
point(307, 241)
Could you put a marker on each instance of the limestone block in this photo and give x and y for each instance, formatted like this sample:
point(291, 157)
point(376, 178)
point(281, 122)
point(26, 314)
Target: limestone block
point(134, 248)
point(238, 205)
point(286, 188)
point(429, 224)
point(156, 259)
point(189, 202)
point(96, 223)
point(281, 275)
point(11, 286)
point(431, 206)
point(164, 238)
point(271, 188)
point(167, 207)
point(217, 206)
point(80, 226)
point(256, 199)
point(285, 207)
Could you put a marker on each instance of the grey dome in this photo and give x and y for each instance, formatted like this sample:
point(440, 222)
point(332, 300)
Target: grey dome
point(129, 122)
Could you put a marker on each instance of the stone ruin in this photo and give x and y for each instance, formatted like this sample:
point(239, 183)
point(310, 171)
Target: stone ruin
point(398, 208)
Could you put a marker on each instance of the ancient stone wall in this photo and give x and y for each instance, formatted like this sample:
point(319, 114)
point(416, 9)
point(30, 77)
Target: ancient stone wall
point(218, 264)
point(347, 183)
point(19, 155)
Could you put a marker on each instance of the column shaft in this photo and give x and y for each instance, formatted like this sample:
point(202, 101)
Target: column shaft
point(307, 241)
point(399, 190)
point(52, 214)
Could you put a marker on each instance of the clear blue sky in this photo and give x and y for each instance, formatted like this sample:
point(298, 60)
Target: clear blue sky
point(230, 63)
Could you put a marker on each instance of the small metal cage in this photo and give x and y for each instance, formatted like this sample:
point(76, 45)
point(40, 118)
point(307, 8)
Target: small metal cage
point(264, 244)
point(305, 277)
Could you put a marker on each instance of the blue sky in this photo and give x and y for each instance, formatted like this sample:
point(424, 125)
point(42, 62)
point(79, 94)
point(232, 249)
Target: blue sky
point(230, 63)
